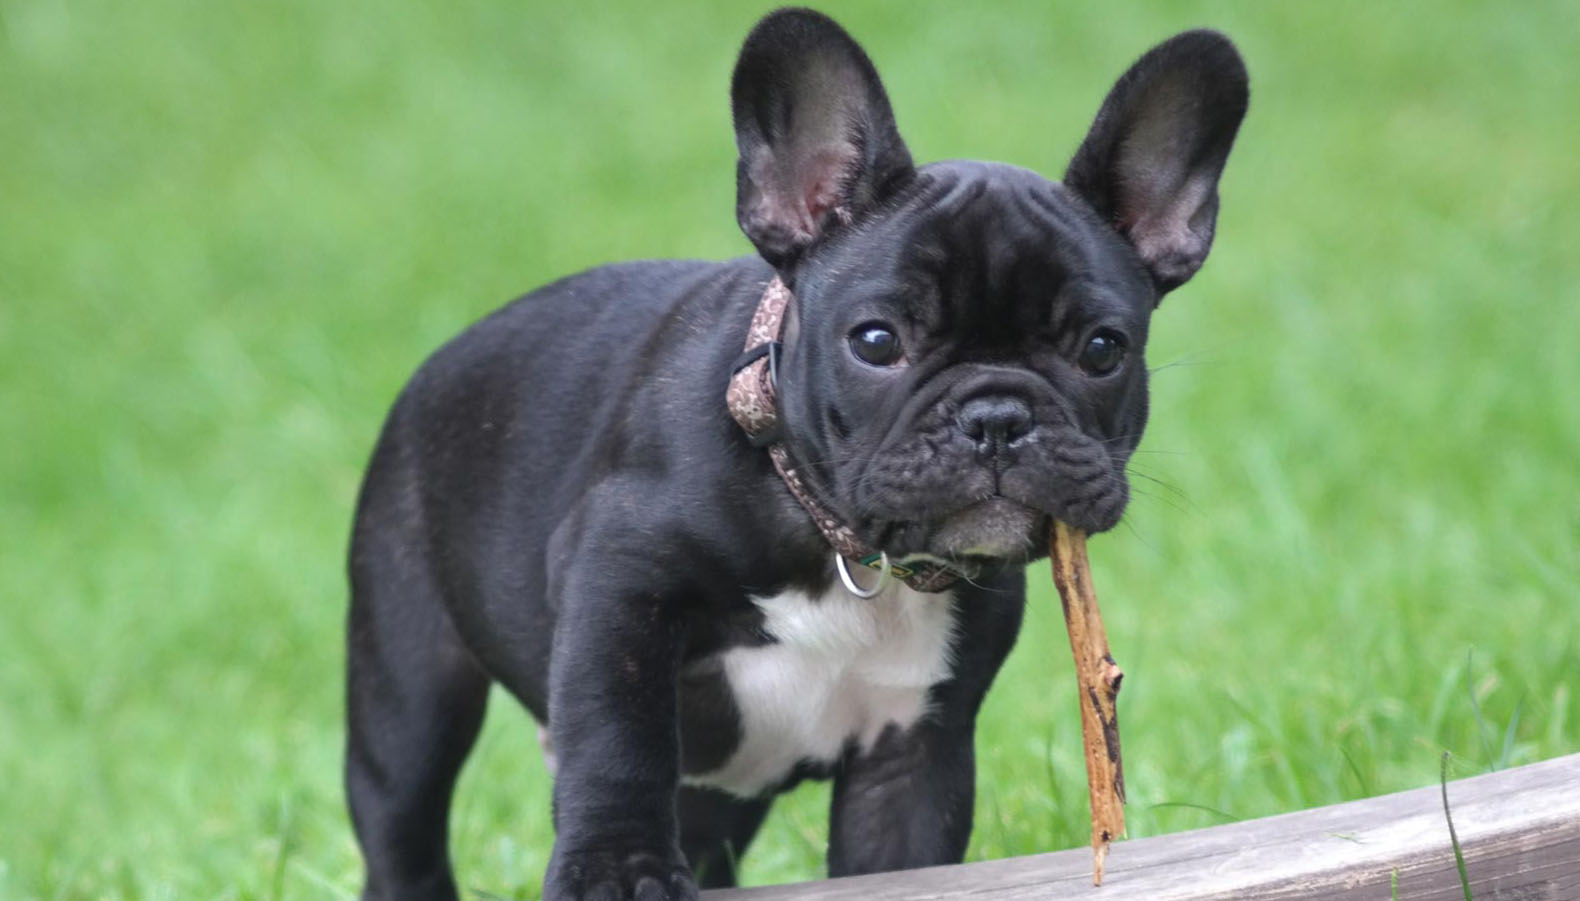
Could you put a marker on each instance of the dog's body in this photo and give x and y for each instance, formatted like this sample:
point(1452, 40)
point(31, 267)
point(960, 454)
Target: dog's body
point(561, 503)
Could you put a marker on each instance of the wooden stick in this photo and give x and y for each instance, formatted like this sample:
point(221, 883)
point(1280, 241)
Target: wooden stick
point(1098, 677)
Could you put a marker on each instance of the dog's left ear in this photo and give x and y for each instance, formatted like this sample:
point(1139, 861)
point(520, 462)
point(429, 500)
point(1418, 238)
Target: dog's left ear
point(818, 144)
point(1151, 162)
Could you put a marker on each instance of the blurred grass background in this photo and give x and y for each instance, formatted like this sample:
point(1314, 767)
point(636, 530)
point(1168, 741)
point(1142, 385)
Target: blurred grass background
point(229, 231)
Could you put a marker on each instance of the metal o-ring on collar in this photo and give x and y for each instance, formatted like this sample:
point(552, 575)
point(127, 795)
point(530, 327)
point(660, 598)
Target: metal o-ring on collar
point(857, 590)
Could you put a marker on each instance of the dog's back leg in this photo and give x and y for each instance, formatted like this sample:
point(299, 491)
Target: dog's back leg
point(415, 700)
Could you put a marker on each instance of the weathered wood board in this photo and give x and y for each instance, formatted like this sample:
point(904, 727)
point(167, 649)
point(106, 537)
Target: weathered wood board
point(1519, 828)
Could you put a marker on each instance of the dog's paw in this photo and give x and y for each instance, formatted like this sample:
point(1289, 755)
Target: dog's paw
point(600, 875)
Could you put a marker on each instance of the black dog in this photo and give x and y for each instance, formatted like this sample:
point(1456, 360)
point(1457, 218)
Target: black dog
point(562, 500)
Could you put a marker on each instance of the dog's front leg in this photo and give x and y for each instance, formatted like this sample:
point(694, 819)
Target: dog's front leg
point(905, 802)
point(612, 715)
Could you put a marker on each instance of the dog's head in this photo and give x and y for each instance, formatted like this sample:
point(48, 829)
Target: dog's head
point(964, 358)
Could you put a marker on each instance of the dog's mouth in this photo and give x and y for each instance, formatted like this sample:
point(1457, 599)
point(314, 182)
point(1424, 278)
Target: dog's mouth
point(1002, 530)
point(955, 504)
point(995, 530)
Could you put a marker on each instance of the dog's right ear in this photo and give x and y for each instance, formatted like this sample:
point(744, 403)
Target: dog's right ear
point(817, 140)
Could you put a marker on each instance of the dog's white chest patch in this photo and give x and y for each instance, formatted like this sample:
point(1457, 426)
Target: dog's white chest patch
point(842, 668)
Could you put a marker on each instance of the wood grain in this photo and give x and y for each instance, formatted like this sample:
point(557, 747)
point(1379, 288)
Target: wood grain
point(1520, 829)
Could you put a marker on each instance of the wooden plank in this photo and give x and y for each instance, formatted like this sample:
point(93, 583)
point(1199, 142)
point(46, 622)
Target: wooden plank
point(1520, 830)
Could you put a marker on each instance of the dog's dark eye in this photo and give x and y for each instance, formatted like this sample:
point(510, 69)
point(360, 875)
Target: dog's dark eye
point(1103, 353)
point(877, 344)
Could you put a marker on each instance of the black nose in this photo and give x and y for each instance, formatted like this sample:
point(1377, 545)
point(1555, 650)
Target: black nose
point(995, 422)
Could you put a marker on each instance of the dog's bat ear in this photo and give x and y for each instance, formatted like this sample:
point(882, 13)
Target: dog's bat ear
point(817, 140)
point(1151, 162)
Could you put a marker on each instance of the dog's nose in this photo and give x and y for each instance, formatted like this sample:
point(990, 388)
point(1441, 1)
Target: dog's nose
point(995, 422)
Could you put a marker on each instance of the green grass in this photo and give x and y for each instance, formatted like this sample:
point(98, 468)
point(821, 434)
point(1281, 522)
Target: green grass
point(229, 231)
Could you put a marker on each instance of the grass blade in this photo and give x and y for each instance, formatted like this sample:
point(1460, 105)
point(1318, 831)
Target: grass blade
point(1508, 734)
point(1475, 707)
point(1453, 837)
point(1225, 816)
point(1362, 781)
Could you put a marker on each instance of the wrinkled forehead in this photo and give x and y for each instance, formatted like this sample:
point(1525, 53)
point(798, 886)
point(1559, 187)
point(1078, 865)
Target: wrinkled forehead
point(995, 231)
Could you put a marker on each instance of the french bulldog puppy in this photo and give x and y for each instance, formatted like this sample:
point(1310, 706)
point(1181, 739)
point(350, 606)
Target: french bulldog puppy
point(704, 601)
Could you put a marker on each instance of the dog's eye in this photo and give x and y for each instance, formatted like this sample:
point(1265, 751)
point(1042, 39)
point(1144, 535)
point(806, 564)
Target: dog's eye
point(876, 344)
point(1103, 353)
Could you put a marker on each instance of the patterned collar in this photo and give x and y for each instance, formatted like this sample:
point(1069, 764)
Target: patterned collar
point(753, 404)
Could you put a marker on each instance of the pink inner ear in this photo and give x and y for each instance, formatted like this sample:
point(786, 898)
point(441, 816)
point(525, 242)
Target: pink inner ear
point(1161, 223)
point(801, 188)
point(823, 175)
